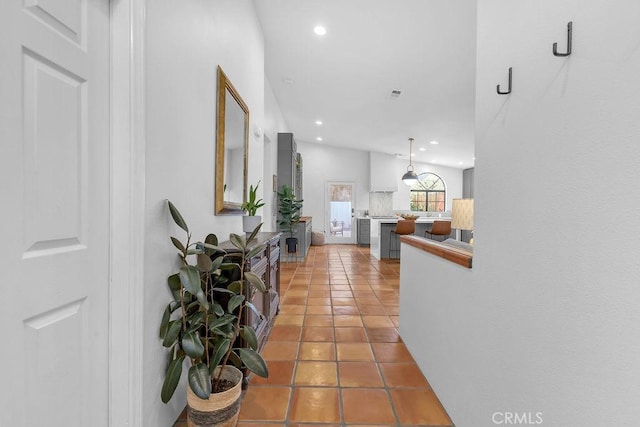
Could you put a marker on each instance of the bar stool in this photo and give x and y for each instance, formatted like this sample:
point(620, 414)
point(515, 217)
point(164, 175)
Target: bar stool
point(442, 229)
point(403, 227)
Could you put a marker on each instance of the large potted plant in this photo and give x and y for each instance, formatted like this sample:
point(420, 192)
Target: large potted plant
point(203, 324)
point(251, 206)
point(289, 210)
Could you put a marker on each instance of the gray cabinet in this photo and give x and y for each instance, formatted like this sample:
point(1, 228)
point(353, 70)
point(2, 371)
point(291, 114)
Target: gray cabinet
point(364, 231)
point(303, 233)
point(289, 164)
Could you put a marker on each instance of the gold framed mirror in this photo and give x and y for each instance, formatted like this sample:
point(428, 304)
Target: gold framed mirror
point(232, 148)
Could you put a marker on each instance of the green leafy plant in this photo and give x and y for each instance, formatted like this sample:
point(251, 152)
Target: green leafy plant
point(252, 205)
point(289, 210)
point(203, 323)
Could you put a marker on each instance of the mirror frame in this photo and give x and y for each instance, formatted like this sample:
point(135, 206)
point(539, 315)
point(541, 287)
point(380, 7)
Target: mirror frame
point(223, 207)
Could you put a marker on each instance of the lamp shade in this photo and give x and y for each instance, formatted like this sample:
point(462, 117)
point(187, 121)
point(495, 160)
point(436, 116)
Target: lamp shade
point(410, 178)
point(462, 214)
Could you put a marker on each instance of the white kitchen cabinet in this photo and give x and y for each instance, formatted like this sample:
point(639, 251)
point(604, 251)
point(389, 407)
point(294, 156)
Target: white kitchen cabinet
point(382, 173)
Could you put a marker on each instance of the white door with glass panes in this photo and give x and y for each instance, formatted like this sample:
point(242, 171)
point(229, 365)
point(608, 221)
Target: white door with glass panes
point(340, 221)
point(55, 133)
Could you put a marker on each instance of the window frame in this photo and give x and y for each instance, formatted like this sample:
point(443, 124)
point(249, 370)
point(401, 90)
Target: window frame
point(413, 190)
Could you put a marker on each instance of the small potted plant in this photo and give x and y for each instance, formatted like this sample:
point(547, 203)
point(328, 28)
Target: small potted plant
point(251, 206)
point(203, 324)
point(289, 210)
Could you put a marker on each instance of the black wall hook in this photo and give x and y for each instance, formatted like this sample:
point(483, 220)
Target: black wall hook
point(569, 37)
point(509, 91)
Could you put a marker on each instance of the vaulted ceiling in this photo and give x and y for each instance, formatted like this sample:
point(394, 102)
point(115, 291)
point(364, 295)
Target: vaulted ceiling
point(423, 48)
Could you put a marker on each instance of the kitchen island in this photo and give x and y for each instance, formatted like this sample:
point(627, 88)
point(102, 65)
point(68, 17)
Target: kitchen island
point(381, 233)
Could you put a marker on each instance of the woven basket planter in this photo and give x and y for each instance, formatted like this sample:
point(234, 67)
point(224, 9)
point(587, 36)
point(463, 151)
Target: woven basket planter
point(220, 409)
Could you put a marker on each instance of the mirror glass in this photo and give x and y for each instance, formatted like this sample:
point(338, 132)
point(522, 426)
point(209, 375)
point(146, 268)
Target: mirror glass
point(231, 148)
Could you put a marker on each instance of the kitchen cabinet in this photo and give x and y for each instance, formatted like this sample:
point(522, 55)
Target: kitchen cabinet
point(383, 176)
point(266, 264)
point(364, 232)
point(289, 164)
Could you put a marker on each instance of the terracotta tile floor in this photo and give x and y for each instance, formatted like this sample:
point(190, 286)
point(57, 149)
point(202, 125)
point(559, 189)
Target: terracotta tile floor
point(335, 356)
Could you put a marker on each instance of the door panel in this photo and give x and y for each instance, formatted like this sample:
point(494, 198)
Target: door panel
point(54, 123)
point(340, 212)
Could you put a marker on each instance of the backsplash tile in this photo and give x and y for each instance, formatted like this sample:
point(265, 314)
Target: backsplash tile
point(380, 204)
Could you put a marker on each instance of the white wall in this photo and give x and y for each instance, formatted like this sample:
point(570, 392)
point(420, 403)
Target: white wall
point(322, 163)
point(186, 41)
point(548, 320)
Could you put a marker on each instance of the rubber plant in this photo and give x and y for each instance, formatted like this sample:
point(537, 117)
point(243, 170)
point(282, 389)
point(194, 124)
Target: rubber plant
point(203, 322)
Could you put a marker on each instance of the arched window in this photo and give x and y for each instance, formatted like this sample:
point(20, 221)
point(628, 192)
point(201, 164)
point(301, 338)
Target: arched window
point(428, 194)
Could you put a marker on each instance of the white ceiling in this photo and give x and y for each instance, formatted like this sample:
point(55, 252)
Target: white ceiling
point(425, 48)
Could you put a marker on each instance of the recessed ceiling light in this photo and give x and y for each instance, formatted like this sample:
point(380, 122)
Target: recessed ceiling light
point(434, 143)
point(319, 139)
point(461, 163)
point(423, 149)
point(320, 30)
point(413, 154)
point(319, 122)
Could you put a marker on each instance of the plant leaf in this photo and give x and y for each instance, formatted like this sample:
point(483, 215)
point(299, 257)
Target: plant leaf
point(254, 233)
point(235, 287)
point(256, 281)
point(177, 218)
point(218, 310)
point(224, 291)
point(164, 324)
point(235, 302)
point(235, 359)
point(173, 331)
point(178, 244)
point(217, 263)
point(254, 362)
point(220, 350)
point(253, 308)
point(221, 321)
point(249, 335)
point(254, 251)
point(200, 380)
point(211, 239)
point(190, 278)
point(171, 379)
point(175, 285)
point(238, 241)
point(204, 263)
point(192, 345)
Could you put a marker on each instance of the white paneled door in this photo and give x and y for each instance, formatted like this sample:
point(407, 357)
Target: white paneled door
point(340, 197)
point(54, 256)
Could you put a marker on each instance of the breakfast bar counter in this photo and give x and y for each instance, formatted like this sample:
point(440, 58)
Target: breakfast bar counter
point(381, 233)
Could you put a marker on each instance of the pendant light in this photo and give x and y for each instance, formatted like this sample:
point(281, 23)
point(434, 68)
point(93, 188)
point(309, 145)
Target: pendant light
point(410, 177)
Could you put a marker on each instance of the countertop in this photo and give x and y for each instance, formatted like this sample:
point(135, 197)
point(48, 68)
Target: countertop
point(422, 219)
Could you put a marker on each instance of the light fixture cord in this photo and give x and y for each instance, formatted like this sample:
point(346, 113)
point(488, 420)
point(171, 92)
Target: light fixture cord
point(410, 152)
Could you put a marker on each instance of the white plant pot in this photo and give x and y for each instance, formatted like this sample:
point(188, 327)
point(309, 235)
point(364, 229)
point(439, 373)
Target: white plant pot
point(249, 223)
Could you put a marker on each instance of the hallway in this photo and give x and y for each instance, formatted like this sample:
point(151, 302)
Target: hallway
point(334, 354)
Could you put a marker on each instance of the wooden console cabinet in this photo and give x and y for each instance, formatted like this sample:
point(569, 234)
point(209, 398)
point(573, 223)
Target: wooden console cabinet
point(266, 265)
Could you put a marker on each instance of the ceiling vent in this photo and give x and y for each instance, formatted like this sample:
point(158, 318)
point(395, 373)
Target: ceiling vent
point(395, 93)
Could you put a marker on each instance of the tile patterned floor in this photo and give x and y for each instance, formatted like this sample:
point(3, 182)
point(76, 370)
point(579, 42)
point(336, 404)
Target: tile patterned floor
point(335, 356)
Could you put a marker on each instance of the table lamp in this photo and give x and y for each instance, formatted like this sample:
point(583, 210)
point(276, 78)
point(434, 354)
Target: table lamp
point(462, 215)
